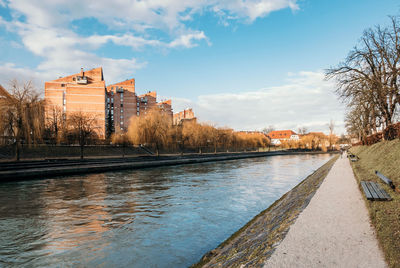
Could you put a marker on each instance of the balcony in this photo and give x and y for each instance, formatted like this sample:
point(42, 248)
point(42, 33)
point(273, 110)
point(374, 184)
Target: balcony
point(82, 80)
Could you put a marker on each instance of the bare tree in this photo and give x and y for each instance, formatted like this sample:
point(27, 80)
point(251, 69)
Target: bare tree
point(331, 127)
point(22, 115)
point(370, 76)
point(302, 130)
point(83, 127)
point(122, 139)
point(55, 123)
point(268, 129)
point(153, 128)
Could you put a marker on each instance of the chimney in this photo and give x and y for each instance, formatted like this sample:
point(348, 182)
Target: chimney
point(82, 72)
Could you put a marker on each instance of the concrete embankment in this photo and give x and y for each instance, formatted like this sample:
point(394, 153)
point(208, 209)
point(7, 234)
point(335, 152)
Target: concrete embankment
point(40, 169)
point(255, 242)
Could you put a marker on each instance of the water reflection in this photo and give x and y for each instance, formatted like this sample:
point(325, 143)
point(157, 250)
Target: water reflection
point(162, 217)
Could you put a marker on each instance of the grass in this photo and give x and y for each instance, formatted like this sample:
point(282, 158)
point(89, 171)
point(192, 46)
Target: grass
point(385, 215)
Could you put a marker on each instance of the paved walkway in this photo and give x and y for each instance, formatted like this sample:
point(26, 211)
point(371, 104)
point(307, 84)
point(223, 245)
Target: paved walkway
point(333, 230)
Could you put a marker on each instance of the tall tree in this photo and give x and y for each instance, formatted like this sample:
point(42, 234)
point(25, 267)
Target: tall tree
point(371, 74)
point(22, 115)
point(153, 128)
point(82, 127)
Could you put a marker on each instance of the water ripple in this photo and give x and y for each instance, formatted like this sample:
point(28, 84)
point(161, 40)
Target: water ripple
point(161, 217)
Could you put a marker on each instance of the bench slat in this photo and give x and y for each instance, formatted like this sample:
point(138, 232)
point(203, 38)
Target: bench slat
point(372, 191)
point(377, 191)
point(366, 191)
point(383, 193)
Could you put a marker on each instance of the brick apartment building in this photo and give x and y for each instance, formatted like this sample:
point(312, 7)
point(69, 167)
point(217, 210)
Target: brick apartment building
point(185, 115)
point(113, 105)
point(84, 91)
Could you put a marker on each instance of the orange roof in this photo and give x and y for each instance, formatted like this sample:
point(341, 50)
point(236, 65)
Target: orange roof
point(281, 134)
point(165, 102)
point(150, 93)
point(95, 74)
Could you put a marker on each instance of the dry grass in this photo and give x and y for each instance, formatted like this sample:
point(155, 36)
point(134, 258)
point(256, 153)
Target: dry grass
point(385, 215)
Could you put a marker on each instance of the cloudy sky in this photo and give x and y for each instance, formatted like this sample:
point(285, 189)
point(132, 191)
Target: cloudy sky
point(245, 64)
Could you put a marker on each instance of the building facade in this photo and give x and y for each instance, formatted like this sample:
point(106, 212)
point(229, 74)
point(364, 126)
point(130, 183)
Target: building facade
point(81, 92)
point(185, 115)
point(277, 136)
point(113, 105)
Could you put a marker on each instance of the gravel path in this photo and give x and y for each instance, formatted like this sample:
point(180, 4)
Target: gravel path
point(333, 230)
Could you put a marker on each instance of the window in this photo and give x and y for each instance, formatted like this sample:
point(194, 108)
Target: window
point(112, 118)
point(138, 109)
point(108, 99)
point(112, 112)
point(122, 105)
point(112, 100)
point(137, 112)
point(122, 110)
point(122, 117)
point(122, 123)
point(112, 92)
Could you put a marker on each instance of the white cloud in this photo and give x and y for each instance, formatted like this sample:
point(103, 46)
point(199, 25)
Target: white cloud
point(9, 71)
point(186, 40)
point(44, 28)
point(305, 100)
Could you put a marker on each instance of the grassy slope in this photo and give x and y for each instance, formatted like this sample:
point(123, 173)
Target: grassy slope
point(385, 216)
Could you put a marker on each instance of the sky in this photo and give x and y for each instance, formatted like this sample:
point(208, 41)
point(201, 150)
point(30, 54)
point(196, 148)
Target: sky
point(244, 64)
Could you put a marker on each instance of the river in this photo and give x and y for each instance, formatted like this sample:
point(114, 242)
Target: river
point(158, 217)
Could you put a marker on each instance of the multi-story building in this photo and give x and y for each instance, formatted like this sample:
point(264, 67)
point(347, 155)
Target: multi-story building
point(81, 92)
point(185, 115)
point(120, 105)
point(113, 106)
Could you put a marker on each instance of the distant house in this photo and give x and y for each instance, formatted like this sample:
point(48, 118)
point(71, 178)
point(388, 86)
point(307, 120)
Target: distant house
point(277, 136)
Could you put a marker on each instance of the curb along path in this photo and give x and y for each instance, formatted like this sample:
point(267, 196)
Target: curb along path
point(333, 230)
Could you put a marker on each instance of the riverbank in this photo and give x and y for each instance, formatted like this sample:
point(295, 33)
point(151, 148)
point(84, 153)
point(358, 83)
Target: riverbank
point(385, 216)
point(255, 242)
point(11, 171)
point(334, 230)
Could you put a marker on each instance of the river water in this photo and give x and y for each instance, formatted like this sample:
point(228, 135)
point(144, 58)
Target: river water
point(159, 217)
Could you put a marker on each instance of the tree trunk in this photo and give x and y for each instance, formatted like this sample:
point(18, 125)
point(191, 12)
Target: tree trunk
point(17, 150)
point(82, 151)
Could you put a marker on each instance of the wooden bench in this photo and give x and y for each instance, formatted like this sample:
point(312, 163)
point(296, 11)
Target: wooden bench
point(385, 179)
point(353, 157)
point(373, 191)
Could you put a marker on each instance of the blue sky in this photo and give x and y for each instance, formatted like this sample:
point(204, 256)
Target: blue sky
point(245, 64)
